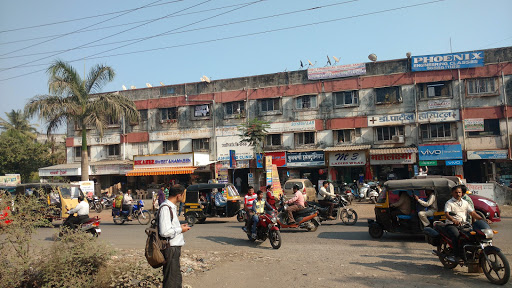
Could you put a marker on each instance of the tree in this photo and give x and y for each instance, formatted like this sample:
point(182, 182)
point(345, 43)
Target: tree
point(75, 99)
point(17, 124)
point(254, 132)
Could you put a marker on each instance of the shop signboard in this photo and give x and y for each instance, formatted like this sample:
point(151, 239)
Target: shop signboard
point(487, 154)
point(250, 179)
point(232, 160)
point(276, 183)
point(305, 159)
point(291, 126)
point(441, 103)
point(439, 152)
point(347, 158)
point(390, 159)
point(392, 119)
point(278, 158)
point(428, 163)
point(10, 180)
point(482, 189)
point(447, 61)
point(268, 167)
point(113, 169)
point(438, 116)
point(243, 150)
point(475, 124)
point(97, 140)
point(223, 175)
point(338, 71)
point(59, 172)
point(87, 187)
point(193, 133)
point(453, 162)
point(202, 110)
point(159, 161)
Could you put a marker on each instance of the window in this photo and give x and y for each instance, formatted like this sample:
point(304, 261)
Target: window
point(112, 121)
point(481, 86)
point(273, 140)
point(346, 98)
point(201, 144)
point(436, 130)
point(170, 146)
point(491, 128)
point(113, 150)
point(235, 108)
point(202, 110)
point(387, 133)
point(435, 89)
point(348, 135)
point(167, 91)
point(305, 102)
point(388, 95)
point(169, 113)
point(143, 115)
point(269, 105)
point(305, 138)
point(78, 152)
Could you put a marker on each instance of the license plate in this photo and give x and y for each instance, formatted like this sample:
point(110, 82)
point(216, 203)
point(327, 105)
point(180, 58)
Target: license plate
point(98, 231)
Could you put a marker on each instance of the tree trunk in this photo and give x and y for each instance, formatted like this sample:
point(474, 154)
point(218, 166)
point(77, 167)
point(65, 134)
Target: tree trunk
point(85, 156)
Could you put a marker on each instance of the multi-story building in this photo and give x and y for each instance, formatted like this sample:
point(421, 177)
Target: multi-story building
point(446, 112)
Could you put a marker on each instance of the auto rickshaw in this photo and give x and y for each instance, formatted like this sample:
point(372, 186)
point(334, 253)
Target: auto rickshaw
point(201, 202)
point(58, 196)
point(408, 224)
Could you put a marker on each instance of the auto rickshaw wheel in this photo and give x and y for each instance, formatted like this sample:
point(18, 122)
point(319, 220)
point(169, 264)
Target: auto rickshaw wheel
point(201, 220)
point(375, 231)
point(191, 219)
point(443, 250)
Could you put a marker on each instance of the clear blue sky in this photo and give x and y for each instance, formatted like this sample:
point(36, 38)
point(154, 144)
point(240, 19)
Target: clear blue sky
point(422, 30)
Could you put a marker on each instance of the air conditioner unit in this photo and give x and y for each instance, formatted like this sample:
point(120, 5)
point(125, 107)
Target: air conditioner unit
point(398, 138)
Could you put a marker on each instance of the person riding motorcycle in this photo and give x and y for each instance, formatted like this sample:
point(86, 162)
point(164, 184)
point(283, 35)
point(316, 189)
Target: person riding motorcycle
point(271, 200)
point(82, 211)
point(259, 205)
point(295, 204)
point(128, 203)
point(325, 198)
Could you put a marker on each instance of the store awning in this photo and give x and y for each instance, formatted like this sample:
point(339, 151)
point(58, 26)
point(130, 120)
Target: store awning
point(161, 171)
point(394, 151)
point(347, 148)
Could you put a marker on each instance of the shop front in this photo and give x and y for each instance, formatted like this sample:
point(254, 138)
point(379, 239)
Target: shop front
point(70, 171)
point(347, 166)
point(234, 157)
point(306, 165)
point(441, 159)
point(278, 159)
point(488, 165)
point(393, 163)
point(110, 172)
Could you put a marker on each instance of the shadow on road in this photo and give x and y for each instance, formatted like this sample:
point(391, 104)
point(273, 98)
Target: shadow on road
point(352, 235)
point(234, 241)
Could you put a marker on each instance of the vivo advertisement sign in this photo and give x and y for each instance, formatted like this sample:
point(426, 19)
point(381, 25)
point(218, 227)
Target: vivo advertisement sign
point(448, 61)
point(440, 152)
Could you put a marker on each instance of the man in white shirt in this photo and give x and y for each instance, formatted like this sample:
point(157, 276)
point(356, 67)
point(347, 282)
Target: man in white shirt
point(128, 203)
point(82, 212)
point(430, 204)
point(325, 198)
point(169, 227)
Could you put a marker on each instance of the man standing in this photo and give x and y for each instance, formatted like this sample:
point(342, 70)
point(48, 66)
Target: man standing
point(128, 203)
point(295, 204)
point(325, 198)
point(161, 196)
point(169, 227)
point(430, 204)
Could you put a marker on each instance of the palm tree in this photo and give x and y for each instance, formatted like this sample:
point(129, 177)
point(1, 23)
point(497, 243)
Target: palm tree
point(17, 123)
point(75, 99)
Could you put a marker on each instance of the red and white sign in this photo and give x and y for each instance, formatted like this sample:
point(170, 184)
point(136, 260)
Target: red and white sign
point(398, 158)
point(158, 161)
point(278, 158)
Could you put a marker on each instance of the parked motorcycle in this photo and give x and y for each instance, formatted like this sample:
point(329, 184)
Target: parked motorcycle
point(306, 218)
point(477, 250)
point(91, 225)
point(266, 228)
point(121, 216)
point(107, 202)
point(369, 191)
point(340, 211)
point(348, 191)
point(95, 204)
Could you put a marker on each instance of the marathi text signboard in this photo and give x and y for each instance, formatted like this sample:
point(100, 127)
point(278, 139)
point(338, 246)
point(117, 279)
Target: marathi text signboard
point(337, 71)
point(158, 161)
point(397, 158)
point(484, 189)
point(476, 124)
point(441, 103)
point(193, 133)
point(305, 159)
point(440, 152)
point(438, 116)
point(292, 126)
point(487, 154)
point(348, 158)
point(243, 150)
point(394, 119)
point(278, 158)
point(60, 172)
point(91, 140)
point(448, 61)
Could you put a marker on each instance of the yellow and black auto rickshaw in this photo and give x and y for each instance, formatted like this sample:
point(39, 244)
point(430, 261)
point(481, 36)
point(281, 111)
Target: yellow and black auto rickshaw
point(210, 200)
point(409, 224)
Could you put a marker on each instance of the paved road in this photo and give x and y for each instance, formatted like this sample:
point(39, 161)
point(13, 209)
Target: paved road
point(333, 256)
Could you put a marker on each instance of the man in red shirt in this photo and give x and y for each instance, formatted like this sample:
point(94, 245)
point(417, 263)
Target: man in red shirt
point(248, 201)
point(295, 204)
point(271, 200)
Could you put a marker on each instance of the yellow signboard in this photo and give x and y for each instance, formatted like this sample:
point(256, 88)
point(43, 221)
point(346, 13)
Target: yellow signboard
point(276, 184)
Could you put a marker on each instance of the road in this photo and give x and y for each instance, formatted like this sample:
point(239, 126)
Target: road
point(334, 256)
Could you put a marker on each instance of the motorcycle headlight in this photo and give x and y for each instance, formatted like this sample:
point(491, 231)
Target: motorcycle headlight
point(488, 233)
point(273, 219)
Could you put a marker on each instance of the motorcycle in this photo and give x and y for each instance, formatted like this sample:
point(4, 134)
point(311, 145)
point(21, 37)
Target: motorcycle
point(340, 211)
point(107, 202)
point(477, 250)
point(91, 225)
point(306, 218)
point(266, 228)
point(95, 204)
point(348, 191)
point(369, 191)
point(120, 216)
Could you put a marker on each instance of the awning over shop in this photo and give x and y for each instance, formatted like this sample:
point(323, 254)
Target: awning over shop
point(347, 148)
point(394, 151)
point(161, 171)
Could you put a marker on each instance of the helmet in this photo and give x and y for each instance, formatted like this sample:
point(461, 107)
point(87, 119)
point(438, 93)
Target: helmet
point(296, 187)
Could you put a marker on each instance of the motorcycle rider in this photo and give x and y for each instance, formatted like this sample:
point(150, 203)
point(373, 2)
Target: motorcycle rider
point(295, 204)
point(128, 203)
point(430, 204)
point(248, 200)
point(461, 208)
point(82, 212)
point(259, 205)
point(325, 198)
point(271, 200)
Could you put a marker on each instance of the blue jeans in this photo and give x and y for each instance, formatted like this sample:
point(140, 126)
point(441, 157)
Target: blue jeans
point(255, 220)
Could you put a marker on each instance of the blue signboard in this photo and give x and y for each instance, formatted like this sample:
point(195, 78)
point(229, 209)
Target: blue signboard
point(232, 159)
point(488, 154)
point(440, 152)
point(453, 162)
point(447, 61)
point(305, 159)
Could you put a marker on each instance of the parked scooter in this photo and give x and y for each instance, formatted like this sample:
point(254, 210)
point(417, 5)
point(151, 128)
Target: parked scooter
point(91, 225)
point(368, 192)
point(120, 216)
point(267, 227)
point(95, 204)
point(107, 202)
point(348, 191)
point(306, 218)
point(347, 215)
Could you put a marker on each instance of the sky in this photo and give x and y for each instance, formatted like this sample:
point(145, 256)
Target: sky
point(179, 41)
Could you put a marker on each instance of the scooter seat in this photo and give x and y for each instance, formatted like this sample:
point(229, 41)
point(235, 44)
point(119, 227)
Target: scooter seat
point(404, 217)
point(305, 211)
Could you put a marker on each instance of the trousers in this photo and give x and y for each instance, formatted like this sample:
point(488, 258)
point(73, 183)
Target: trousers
point(171, 270)
point(423, 217)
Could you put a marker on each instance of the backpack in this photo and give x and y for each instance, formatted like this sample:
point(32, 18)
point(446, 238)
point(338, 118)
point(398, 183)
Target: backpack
point(155, 244)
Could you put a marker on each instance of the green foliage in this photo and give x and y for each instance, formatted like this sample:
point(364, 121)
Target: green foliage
point(17, 125)
point(254, 132)
point(22, 155)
